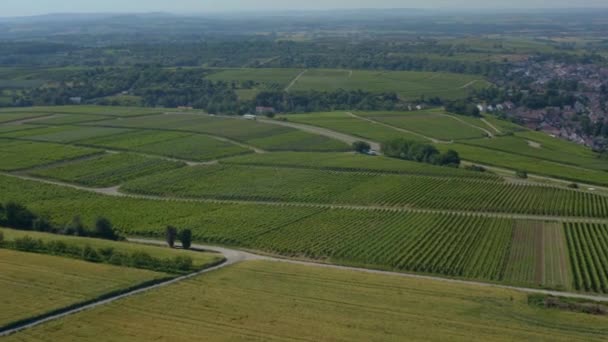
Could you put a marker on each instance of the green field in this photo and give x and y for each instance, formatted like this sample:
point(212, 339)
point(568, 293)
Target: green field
point(107, 170)
point(178, 145)
point(254, 183)
point(276, 301)
point(199, 260)
point(33, 284)
point(19, 155)
point(6, 117)
point(64, 134)
point(90, 110)
point(589, 254)
point(431, 123)
point(353, 162)
point(266, 136)
point(70, 119)
point(467, 246)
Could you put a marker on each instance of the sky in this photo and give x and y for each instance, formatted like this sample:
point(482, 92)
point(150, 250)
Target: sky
point(36, 7)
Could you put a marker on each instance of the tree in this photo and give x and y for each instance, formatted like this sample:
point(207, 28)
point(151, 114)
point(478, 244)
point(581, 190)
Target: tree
point(105, 230)
point(170, 236)
point(42, 224)
point(361, 146)
point(450, 158)
point(76, 227)
point(185, 236)
point(18, 216)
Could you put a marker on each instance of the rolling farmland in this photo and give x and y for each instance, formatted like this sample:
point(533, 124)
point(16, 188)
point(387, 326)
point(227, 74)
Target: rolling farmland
point(331, 187)
point(18, 155)
point(588, 245)
point(107, 170)
point(277, 301)
point(63, 282)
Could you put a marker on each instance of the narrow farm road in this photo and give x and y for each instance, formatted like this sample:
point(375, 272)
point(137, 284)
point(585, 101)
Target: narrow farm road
point(491, 125)
point(230, 259)
point(243, 256)
point(115, 192)
point(349, 139)
point(295, 80)
point(435, 141)
point(469, 84)
point(490, 134)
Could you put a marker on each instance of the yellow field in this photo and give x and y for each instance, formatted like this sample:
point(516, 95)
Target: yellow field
point(269, 301)
point(34, 284)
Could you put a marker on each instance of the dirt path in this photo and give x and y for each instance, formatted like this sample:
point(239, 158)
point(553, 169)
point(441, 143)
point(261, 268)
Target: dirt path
point(295, 80)
point(490, 134)
point(115, 192)
point(236, 254)
point(349, 139)
point(24, 121)
point(491, 126)
point(435, 141)
point(469, 84)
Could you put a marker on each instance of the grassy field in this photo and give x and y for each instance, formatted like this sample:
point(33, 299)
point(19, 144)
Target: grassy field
point(19, 155)
point(199, 260)
point(10, 116)
point(64, 134)
point(107, 170)
point(332, 187)
point(88, 109)
point(275, 301)
point(33, 284)
point(70, 119)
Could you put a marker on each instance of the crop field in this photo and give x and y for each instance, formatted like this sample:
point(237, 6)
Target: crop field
point(429, 123)
point(473, 246)
point(261, 300)
point(90, 110)
point(503, 125)
point(11, 116)
point(265, 136)
point(199, 259)
point(70, 119)
point(32, 284)
point(407, 84)
point(354, 163)
point(345, 123)
point(264, 79)
point(107, 170)
point(532, 165)
point(538, 256)
point(19, 155)
point(178, 145)
point(536, 145)
point(64, 134)
point(588, 244)
point(331, 187)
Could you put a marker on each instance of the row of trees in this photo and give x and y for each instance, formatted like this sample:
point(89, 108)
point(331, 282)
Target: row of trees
point(419, 152)
point(17, 216)
point(184, 236)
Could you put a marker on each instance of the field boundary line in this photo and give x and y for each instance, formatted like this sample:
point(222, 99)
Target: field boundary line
point(115, 192)
point(433, 140)
point(111, 297)
point(490, 134)
point(293, 82)
point(491, 125)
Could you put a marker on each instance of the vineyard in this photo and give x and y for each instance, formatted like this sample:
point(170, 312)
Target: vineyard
point(464, 246)
point(10, 117)
point(19, 155)
point(266, 136)
point(431, 124)
point(64, 134)
point(588, 245)
point(178, 145)
point(353, 163)
point(345, 123)
point(107, 170)
point(72, 119)
point(332, 187)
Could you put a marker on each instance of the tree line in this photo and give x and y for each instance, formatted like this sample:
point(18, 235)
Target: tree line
point(419, 152)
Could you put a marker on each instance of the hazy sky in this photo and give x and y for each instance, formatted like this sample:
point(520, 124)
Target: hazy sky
point(33, 7)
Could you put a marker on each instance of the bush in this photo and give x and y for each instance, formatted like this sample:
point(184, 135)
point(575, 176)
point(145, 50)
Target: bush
point(521, 174)
point(361, 147)
point(1, 237)
point(423, 153)
point(573, 186)
point(186, 238)
point(28, 244)
point(18, 216)
point(105, 230)
point(475, 168)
